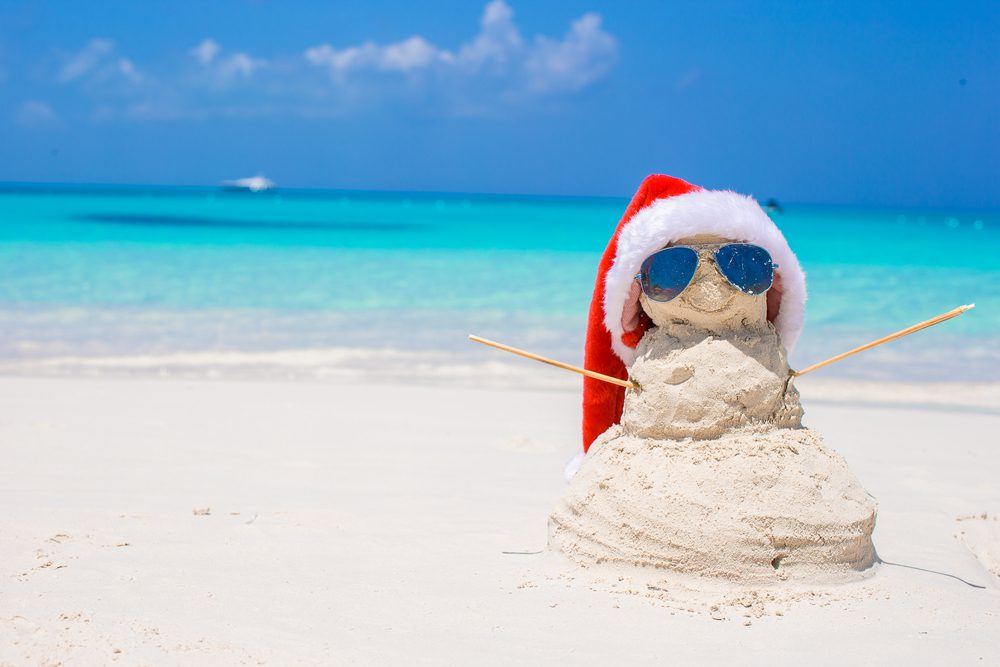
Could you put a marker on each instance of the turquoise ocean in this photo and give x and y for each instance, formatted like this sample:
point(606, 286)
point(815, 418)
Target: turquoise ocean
point(131, 279)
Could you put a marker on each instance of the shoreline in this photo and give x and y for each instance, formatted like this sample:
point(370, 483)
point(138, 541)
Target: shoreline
point(469, 370)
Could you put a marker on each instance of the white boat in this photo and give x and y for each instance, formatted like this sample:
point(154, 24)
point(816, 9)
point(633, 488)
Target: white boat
point(252, 184)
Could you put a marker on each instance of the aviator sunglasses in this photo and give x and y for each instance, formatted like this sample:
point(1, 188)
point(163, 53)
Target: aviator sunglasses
point(666, 273)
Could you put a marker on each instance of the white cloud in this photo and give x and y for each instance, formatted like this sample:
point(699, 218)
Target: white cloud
point(33, 113)
point(239, 65)
point(225, 69)
point(498, 37)
point(85, 60)
point(542, 66)
point(342, 60)
point(496, 70)
point(98, 63)
point(205, 52)
point(127, 69)
point(584, 55)
point(408, 55)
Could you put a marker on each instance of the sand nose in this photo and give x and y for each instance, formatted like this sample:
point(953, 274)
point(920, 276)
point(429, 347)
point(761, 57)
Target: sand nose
point(707, 297)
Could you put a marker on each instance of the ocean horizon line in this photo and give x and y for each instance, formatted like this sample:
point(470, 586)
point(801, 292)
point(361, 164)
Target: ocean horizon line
point(164, 189)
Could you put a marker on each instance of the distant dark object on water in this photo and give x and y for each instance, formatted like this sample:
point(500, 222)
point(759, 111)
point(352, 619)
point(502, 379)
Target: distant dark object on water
point(772, 206)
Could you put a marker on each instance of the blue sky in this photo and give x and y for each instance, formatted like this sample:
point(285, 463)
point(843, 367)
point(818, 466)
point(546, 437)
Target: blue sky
point(870, 103)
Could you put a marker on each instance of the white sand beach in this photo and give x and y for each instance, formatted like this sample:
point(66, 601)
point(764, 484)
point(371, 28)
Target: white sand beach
point(198, 522)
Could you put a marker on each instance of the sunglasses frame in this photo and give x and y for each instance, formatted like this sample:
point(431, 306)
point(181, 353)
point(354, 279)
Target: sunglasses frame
point(701, 250)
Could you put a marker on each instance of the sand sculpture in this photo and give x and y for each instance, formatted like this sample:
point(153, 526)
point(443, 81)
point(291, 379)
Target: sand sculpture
point(709, 471)
point(704, 468)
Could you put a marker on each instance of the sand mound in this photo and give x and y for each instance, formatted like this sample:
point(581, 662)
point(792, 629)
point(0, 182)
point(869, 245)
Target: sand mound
point(711, 474)
point(749, 506)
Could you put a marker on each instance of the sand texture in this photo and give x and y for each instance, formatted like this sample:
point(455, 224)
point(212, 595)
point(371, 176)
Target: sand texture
point(711, 474)
point(394, 524)
point(694, 384)
point(747, 507)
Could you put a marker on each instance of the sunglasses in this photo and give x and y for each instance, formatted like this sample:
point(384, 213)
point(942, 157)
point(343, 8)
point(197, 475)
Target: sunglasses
point(666, 273)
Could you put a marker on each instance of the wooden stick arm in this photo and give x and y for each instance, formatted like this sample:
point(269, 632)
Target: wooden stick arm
point(552, 362)
point(885, 339)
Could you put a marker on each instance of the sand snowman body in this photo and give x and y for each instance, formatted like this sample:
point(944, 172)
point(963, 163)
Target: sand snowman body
point(710, 472)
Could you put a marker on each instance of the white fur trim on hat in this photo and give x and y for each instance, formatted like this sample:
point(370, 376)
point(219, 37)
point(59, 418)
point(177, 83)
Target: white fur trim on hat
point(718, 212)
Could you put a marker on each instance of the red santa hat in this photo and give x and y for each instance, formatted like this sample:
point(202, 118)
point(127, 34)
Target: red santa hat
point(664, 210)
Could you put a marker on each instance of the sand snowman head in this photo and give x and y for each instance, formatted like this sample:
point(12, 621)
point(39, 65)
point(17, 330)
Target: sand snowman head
point(711, 362)
point(709, 302)
point(668, 211)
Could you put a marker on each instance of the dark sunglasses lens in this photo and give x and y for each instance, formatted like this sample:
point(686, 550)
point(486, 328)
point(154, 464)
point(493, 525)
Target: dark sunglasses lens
point(747, 267)
point(666, 273)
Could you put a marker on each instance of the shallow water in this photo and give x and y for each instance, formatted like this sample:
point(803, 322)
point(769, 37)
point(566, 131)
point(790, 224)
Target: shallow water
point(97, 272)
